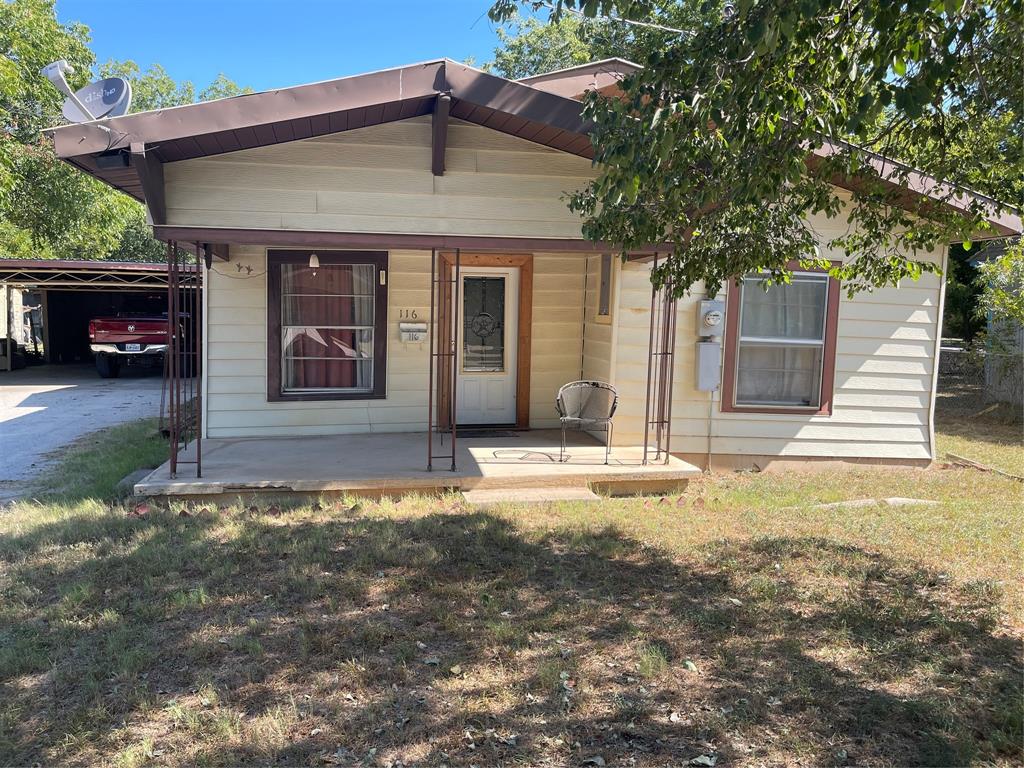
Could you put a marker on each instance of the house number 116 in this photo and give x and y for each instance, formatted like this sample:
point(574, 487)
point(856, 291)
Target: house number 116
point(407, 314)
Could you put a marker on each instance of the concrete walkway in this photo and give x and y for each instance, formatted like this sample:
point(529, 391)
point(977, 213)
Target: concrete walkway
point(43, 409)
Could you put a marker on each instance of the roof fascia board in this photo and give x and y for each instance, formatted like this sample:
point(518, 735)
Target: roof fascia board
point(394, 85)
point(920, 190)
point(524, 101)
point(97, 265)
point(612, 64)
point(295, 238)
point(574, 82)
point(416, 81)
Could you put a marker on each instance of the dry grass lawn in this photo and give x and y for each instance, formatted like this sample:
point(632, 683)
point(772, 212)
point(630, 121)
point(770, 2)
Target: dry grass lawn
point(734, 625)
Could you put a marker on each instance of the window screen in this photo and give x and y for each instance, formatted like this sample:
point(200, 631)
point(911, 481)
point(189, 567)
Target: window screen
point(326, 325)
point(781, 342)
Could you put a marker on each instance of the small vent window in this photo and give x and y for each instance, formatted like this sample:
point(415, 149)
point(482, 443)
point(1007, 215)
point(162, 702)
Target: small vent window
point(604, 292)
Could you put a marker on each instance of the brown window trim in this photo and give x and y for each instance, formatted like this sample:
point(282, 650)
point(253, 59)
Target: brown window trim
point(828, 365)
point(380, 337)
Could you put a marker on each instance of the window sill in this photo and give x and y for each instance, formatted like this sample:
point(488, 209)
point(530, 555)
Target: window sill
point(802, 410)
point(313, 397)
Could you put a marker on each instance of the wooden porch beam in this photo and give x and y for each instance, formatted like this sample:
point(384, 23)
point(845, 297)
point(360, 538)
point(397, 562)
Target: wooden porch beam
point(151, 175)
point(299, 238)
point(215, 251)
point(439, 133)
point(209, 251)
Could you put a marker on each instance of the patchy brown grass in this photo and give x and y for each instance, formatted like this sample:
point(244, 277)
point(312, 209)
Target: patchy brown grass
point(997, 445)
point(423, 632)
point(738, 622)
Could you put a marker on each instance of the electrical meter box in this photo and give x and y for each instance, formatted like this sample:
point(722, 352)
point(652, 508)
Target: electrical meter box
point(710, 317)
point(412, 332)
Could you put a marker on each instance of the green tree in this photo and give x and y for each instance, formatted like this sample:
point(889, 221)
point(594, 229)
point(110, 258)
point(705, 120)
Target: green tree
point(154, 88)
point(30, 38)
point(709, 148)
point(136, 242)
point(1002, 285)
point(960, 317)
point(47, 208)
point(529, 46)
point(221, 88)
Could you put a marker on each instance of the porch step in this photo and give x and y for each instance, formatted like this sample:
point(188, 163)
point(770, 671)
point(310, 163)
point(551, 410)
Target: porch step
point(490, 496)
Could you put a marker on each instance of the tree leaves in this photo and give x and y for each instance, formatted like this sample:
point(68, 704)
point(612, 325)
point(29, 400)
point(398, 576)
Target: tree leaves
point(708, 149)
point(48, 208)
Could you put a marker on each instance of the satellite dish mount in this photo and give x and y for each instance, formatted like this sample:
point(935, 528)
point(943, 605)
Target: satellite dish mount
point(109, 97)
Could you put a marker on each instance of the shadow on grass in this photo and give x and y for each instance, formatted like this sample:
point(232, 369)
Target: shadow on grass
point(457, 638)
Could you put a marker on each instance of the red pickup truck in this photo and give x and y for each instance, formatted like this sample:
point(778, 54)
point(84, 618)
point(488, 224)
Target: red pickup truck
point(117, 341)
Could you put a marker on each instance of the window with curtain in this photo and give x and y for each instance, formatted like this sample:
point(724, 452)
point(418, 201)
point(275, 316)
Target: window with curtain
point(326, 325)
point(781, 344)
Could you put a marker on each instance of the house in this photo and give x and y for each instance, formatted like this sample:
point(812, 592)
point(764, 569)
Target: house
point(391, 253)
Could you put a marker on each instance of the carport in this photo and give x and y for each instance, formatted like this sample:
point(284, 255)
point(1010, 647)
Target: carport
point(67, 294)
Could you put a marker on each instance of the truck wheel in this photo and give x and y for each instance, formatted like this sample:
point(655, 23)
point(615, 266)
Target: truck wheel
point(107, 366)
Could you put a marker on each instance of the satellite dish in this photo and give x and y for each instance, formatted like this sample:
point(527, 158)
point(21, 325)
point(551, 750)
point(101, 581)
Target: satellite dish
point(109, 97)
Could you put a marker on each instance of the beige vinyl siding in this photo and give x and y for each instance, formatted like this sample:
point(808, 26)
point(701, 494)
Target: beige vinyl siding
point(557, 344)
point(237, 358)
point(378, 179)
point(886, 347)
point(236, 349)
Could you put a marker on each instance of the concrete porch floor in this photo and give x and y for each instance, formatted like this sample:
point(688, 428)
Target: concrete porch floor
point(378, 464)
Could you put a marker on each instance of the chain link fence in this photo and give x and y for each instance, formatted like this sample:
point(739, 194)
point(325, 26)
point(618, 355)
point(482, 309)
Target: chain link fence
point(972, 378)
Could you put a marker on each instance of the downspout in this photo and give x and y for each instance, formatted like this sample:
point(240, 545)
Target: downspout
point(938, 351)
point(204, 382)
point(583, 316)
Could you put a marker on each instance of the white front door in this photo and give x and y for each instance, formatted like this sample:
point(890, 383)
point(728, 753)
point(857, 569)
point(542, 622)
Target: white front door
point(488, 339)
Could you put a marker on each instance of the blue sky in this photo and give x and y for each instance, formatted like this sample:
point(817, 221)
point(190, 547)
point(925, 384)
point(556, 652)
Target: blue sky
point(275, 43)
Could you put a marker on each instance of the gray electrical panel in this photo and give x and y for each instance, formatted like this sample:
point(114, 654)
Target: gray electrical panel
point(710, 318)
point(710, 327)
point(709, 366)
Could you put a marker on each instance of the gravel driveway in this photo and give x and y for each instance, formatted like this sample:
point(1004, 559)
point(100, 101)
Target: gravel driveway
point(43, 409)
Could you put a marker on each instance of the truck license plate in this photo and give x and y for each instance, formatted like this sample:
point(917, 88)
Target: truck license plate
point(132, 347)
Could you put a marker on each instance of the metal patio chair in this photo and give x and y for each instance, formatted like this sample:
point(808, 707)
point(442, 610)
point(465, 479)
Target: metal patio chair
point(587, 405)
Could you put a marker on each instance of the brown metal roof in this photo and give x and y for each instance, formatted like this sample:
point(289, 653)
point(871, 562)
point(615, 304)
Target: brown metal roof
point(80, 274)
point(916, 191)
point(288, 114)
point(538, 109)
point(573, 82)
